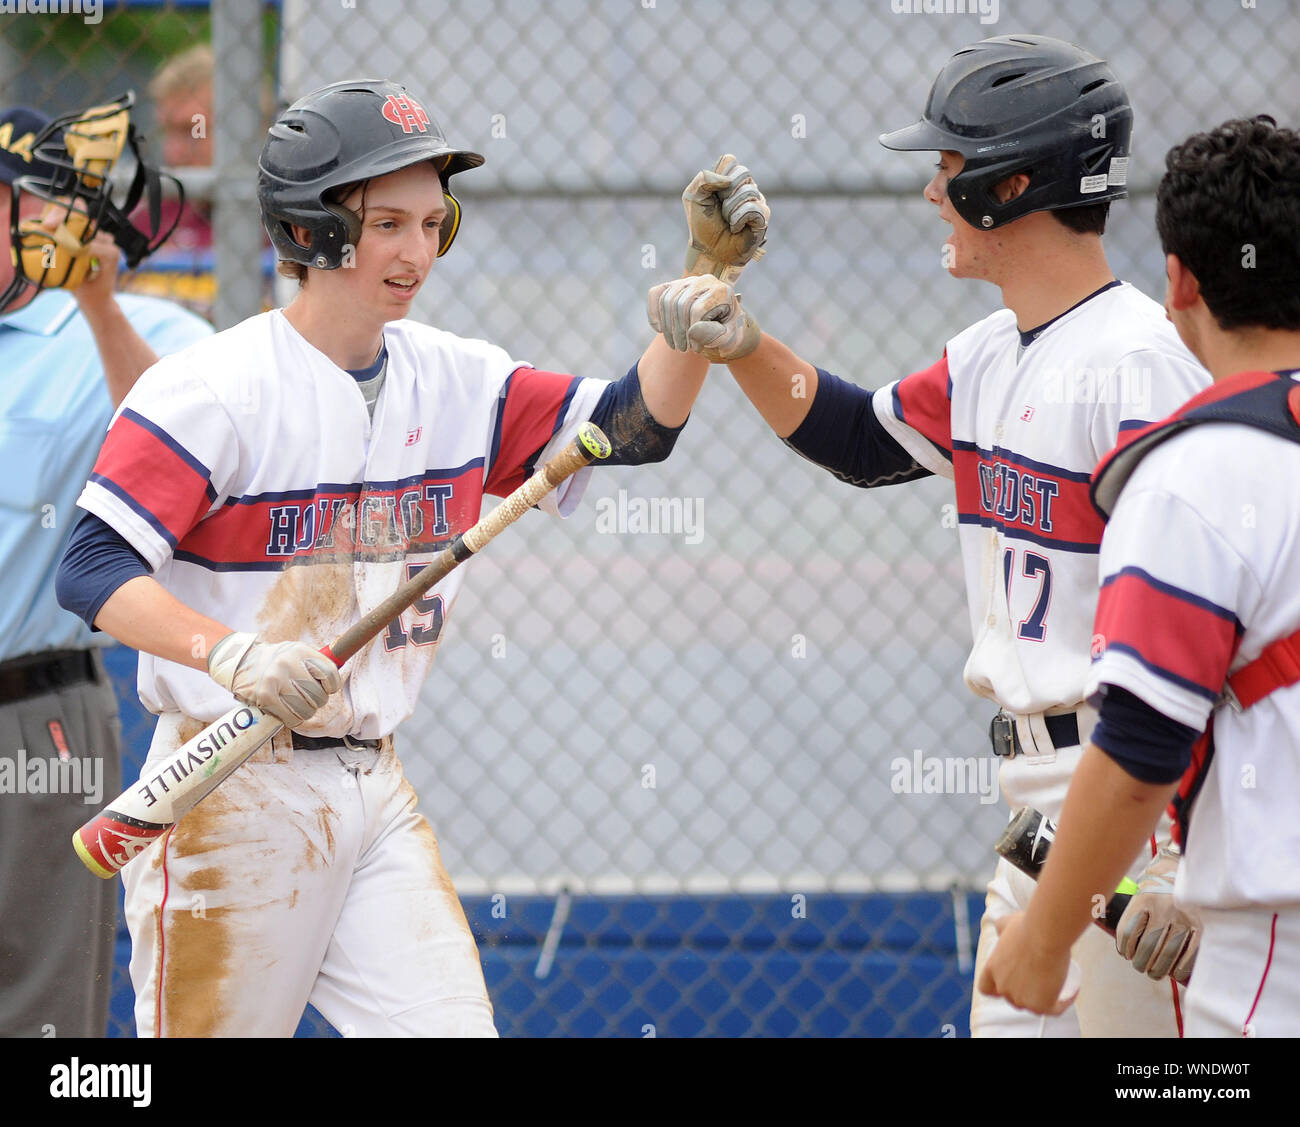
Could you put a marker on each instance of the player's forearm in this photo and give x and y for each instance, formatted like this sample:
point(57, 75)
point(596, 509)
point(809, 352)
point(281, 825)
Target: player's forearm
point(670, 381)
point(778, 383)
point(124, 353)
point(1105, 823)
point(145, 616)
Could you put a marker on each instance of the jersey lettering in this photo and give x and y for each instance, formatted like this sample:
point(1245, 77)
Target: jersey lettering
point(1016, 497)
point(439, 495)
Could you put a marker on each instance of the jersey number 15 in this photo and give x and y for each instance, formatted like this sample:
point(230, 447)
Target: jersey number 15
point(425, 620)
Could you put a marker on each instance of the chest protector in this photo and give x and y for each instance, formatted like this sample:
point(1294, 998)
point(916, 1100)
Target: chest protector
point(1269, 402)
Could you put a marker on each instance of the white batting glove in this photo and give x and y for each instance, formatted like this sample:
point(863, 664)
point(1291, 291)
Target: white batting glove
point(1154, 935)
point(703, 314)
point(727, 217)
point(290, 680)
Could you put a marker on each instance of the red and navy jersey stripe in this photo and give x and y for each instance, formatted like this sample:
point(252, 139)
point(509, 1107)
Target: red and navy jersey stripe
point(530, 412)
point(170, 489)
point(378, 520)
point(1025, 498)
point(1180, 636)
point(155, 476)
point(923, 401)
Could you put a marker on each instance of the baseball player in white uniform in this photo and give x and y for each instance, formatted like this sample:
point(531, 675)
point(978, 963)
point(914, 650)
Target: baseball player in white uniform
point(1199, 679)
point(255, 496)
point(1033, 135)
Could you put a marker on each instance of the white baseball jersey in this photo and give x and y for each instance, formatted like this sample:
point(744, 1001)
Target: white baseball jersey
point(1019, 427)
point(249, 475)
point(1018, 422)
point(1199, 567)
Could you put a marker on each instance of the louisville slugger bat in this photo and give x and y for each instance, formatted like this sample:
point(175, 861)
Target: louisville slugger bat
point(1025, 844)
point(175, 785)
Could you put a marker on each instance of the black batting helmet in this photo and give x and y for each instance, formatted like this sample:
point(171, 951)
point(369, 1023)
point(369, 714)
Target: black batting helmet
point(1026, 103)
point(341, 134)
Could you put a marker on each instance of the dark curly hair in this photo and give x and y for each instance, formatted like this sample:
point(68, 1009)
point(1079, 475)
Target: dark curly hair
point(1229, 207)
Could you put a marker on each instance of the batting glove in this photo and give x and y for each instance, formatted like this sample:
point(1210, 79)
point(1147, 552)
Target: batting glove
point(726, 216)
point(703, 314)
point(290, 680)
point(1154, 935)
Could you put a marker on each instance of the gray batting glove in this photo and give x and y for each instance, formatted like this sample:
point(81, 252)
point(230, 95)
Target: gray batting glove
point(703, 314)
point(290, 680)
point(727, 218)
point(1154, 935)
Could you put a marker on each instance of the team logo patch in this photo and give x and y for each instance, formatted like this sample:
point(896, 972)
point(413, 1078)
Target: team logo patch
point(406, 112)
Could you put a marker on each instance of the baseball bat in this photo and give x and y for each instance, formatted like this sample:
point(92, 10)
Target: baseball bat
point(1025, 844)
point(175, 785)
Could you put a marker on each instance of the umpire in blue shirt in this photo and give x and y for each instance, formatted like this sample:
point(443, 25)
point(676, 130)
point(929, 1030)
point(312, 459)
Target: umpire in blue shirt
point(66, 361)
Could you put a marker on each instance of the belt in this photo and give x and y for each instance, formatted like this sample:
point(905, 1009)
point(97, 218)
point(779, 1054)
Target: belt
point(312, 743)
point(34, 674)
point(1063, 730)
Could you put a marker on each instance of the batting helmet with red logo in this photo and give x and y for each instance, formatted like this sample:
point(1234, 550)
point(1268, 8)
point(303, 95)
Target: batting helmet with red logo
point(342, 134)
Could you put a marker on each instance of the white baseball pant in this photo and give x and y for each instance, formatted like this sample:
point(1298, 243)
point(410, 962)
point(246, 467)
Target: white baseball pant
point(307, 876)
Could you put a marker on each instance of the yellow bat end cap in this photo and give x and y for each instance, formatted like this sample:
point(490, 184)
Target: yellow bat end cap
point(593, 438)
point(1127, 885)
point(89, 861)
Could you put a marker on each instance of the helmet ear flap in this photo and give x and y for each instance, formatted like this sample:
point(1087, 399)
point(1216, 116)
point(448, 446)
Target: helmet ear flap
point(328, 257)
point(450, 223)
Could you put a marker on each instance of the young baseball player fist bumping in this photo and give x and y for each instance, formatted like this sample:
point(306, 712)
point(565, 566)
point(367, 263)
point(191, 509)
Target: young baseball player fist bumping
point(256, 496)
point(1032, 136)
point(1199, 678)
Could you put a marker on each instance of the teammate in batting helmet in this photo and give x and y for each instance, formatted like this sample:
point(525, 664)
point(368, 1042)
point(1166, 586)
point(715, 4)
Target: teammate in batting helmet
point(342, 134)
point(1032, 104)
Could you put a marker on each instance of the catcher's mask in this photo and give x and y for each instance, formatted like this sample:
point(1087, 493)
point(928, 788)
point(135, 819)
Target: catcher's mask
point(83, 149)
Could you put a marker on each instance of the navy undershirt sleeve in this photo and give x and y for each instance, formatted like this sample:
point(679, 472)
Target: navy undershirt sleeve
point(97, 562)
point(1146, 743)
point(841, 434)
point(634, 434)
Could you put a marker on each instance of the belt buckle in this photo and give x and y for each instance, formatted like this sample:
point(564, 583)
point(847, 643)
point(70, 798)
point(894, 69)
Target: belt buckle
point(1002, 735)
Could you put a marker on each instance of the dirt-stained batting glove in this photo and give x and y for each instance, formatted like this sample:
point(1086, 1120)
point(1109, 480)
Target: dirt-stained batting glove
point(703, 315)
point(290, 680)
point(1154, 935)
point(727, 217)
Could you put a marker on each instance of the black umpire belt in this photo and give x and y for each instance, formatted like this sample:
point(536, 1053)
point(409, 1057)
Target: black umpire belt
point(313, 743)
point(1063, 730)
point(35, 674)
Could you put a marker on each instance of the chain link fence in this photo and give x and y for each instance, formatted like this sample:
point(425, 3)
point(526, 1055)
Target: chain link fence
point(673, 748)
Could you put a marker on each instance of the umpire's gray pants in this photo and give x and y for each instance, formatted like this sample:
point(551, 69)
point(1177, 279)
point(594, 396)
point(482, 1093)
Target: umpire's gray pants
point(57, 921)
